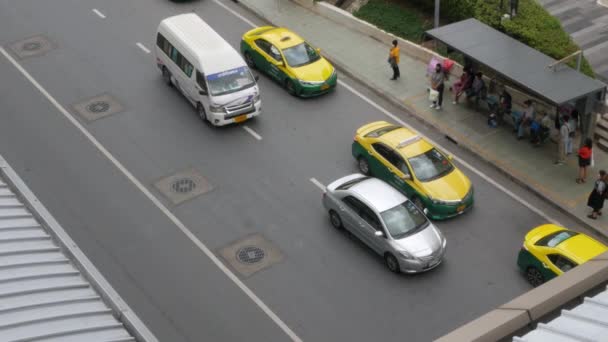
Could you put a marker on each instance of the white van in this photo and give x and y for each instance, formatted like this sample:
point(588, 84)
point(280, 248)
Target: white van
point(210, 73)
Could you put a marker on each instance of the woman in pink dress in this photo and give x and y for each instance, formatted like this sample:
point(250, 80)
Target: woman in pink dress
point(463, 84)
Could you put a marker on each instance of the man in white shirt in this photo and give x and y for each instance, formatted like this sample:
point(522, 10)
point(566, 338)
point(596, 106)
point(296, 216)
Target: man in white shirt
point(564, 133)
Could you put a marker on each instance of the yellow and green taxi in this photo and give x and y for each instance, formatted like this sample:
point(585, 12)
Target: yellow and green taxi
point(411, 164)
point(289, 60)
point(550, 250)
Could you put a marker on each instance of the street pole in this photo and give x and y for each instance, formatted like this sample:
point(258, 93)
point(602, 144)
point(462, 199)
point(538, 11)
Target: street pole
point(437, 3)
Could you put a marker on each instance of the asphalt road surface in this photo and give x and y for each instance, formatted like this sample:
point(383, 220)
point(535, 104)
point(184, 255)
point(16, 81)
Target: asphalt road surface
point(320, 284)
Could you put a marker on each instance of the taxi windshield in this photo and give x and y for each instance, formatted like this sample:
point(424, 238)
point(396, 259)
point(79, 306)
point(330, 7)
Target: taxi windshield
point(300, 55)
point(230, 81)
point(430, 165)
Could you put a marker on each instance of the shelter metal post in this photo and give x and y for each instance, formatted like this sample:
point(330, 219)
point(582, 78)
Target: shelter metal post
point(437, 4)
point(579, 61)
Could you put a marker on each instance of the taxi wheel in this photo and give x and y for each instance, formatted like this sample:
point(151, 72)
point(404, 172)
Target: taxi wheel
point(534, 276)
point(167, 76)
point(391, 263)
point(335, 219)
point(363, 166)
point(291, 88)
point(249, 60)
point(418, 202)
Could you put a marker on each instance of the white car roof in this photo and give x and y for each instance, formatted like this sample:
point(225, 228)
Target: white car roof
point(211, 50)
point(378, 194)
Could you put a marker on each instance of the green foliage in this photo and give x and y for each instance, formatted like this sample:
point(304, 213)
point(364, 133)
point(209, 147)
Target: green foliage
point(393, 18)
point(533, 25)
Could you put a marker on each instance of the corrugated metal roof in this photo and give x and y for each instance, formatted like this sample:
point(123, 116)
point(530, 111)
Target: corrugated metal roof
point(43, 295)
point(586, 322)
point(516, 61)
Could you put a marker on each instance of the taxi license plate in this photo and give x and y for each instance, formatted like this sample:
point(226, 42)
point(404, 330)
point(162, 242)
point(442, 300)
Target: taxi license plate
point(461, 208)
point(325, 86)
point(240, 118)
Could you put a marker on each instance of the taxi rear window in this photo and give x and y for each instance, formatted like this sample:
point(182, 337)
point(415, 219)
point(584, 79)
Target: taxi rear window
point(381, 131)
point(556, 238)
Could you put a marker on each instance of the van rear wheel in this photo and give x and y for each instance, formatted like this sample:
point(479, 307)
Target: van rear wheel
point(167, 76)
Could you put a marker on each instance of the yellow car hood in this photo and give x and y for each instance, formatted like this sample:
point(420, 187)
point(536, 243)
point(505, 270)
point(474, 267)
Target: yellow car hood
point(451, 187)
point(318, 71)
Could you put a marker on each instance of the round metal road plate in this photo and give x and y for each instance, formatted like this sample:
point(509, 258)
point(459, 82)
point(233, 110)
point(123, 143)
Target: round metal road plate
point(183, 185)
point(31, 46)
point(98, 107)
point(250, 254)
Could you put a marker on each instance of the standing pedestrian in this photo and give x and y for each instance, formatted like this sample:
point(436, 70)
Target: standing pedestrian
point(571, 131)
point(563, 138)
point(437, 84)
point(393, 60)
point(584, 160)
point(597, 196)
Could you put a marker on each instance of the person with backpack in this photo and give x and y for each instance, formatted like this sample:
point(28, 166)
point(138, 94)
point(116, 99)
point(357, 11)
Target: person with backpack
point(437, 84)
point(597, 196)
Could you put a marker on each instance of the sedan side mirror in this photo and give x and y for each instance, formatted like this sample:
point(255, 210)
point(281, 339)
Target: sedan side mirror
point(450, 157)
point(318, 50)
point(407, 176)
point(279, 63)
point(378, 233)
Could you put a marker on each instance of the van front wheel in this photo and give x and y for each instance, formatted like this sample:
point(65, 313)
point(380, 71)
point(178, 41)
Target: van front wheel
point(201, 112)
point(166, 76)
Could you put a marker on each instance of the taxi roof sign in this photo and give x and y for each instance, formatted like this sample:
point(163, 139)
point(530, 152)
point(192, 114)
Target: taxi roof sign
point(409, 141)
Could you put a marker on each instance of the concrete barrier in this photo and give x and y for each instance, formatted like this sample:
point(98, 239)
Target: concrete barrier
point(532, 306)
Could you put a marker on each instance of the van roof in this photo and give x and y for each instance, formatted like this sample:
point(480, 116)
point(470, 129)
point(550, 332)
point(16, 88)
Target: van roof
point(213, 53)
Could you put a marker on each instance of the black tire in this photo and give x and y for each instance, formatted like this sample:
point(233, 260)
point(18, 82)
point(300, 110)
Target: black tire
point(534, 276)
point(291, 88)
point(391, 263)
point(418, 202)
point(335, 219)
point(249, 60)
point(363, 166)
point(200, 110)
point(167, 76)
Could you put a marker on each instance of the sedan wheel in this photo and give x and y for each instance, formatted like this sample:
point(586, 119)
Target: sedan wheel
point(534, 276)
point(363, 166)
point(335, 219)
point(391, 263)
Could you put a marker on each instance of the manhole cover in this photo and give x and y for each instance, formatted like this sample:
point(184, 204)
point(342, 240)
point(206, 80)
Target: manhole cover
point(32, 46)
point(98, 107)
point(250, 255)
point(183, 185)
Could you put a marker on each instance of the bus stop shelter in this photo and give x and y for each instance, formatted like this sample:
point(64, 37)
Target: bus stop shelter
point(525, 68)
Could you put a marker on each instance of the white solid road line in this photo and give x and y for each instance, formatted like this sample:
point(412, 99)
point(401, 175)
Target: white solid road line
point(461, 161)
point(318, 184)
point(394, 117)
point(182, 227)
point(141, 46)
point(101, 15)
point(252, 132)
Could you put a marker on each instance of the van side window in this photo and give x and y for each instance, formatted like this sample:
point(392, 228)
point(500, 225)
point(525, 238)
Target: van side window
point(164, 44)
point(200, 79)
point(181, 61)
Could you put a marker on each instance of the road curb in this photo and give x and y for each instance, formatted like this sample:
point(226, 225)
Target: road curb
point(413, 114)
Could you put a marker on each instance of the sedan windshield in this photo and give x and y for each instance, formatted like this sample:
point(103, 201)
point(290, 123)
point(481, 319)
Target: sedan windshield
point(403, 220)
point(300, 55)
point(230, 81)
point(430, 165)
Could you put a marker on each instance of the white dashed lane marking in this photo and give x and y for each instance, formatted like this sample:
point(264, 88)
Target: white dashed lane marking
point(252, 132)
point(141, 46)
point(101, 15)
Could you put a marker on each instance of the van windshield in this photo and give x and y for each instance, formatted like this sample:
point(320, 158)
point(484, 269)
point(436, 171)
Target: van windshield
point(230, 81)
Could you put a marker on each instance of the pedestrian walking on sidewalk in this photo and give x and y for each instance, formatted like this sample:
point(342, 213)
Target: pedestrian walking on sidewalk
point(563, 139)
point(437, 84)
point(584, 160)
point(393, 60)
point(597, 196)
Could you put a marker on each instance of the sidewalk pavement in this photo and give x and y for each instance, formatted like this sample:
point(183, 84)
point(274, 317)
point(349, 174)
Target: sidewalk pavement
point(364, 58)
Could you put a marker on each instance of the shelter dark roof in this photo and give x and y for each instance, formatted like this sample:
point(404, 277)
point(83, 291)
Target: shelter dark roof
point(516, 61)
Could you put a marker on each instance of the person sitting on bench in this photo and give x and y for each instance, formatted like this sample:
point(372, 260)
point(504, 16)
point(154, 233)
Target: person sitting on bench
point(522, 119)
point(478, 88)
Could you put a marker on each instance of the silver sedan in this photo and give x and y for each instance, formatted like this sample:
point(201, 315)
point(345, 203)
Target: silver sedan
point(386, 221)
